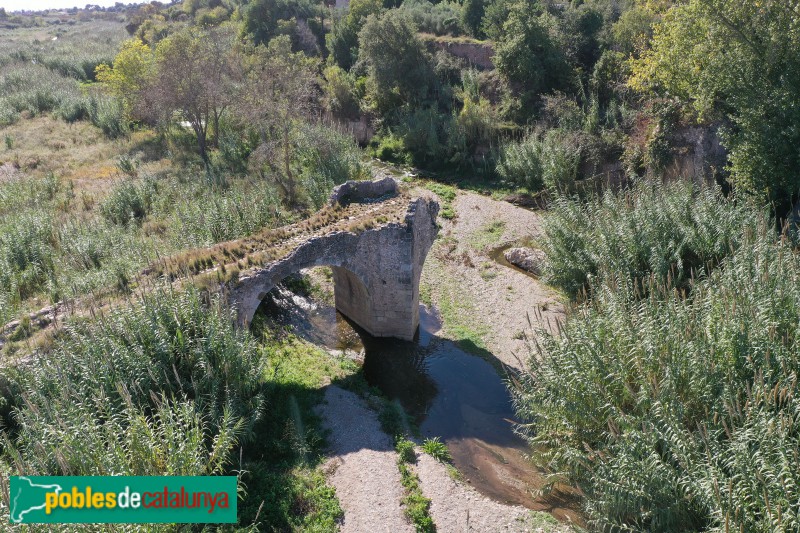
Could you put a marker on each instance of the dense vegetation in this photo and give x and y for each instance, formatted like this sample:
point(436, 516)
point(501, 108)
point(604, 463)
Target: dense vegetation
point(185, 394)
point(676, 413)
point(134, 133)
point(672, 232)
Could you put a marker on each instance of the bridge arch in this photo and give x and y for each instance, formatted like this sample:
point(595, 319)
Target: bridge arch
point(376, 271)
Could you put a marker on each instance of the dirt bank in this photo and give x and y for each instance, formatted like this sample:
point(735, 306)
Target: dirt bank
point(363, 466)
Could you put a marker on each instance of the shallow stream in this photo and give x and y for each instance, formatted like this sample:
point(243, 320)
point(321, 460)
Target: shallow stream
point(450, 393)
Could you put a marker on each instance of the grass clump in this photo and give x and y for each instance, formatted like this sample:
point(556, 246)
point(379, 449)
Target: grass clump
point(416, 505)
point(541, 161)
point(437, 449)
point(446, 193)
point(674, 230)
point(405, 449)
point(678, 411)
point(487, 235)
point(129, 202)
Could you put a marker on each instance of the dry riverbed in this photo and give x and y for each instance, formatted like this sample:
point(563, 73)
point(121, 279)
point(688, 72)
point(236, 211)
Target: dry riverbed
point(482, 302)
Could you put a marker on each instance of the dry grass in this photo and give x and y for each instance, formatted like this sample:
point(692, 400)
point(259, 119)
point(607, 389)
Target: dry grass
point(220, 263)
point(77, 152)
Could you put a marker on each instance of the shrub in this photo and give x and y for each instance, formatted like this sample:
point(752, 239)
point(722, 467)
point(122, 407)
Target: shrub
point(128, 202)
point(164, 387)
point(405, 449)
point(678, 413)
point(676, 230)
point(341, 93)
point(391, 148)
point(441, 18)
point(107, 114)
point(437, 449)
point(550, 160)
point(214, 216)
point(328, 158)
point(26, 254)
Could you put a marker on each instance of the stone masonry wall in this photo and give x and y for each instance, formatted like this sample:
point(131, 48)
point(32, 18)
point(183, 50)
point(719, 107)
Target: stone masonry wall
point(376, 272)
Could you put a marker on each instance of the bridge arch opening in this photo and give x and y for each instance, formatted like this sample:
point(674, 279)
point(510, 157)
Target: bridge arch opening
point(351, 296)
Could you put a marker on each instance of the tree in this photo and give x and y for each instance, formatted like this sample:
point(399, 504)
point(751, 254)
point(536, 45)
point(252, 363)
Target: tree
point(740, 60)
point(279, 94)
point(197, 77)
point(134, 69)
point(472, 17)
point(262, 17)
point(342, 41)
point(399, 67)
point(579, 32)
point(527, 56)
point(633, 30)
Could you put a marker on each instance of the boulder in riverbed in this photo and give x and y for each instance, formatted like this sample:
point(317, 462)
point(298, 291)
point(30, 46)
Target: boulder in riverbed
point(527, 259)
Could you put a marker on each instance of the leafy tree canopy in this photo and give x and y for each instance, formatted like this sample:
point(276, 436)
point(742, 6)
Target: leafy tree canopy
point(738, 58)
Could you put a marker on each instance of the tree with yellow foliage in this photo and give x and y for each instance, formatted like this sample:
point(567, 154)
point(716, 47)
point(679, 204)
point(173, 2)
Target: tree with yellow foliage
point(133, 69)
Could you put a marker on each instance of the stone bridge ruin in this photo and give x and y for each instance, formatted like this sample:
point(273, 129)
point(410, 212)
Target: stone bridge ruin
point(376, 263)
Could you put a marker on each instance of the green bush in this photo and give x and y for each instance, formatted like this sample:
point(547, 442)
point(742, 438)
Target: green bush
point(676, 230)
point(442, 18)
point(328, 158)
point(165, 386)
point(548, 160)
point(107, 114)
point(215, 216)
point(391, 148)
point(405, 449)
point(434, 140)
point(129, 202)
point(26, 254)
point(675, 412)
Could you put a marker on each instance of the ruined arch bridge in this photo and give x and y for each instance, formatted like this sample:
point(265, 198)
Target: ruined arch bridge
point(375, 236)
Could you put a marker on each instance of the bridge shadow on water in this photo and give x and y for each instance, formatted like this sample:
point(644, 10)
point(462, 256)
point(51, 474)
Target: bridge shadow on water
point(450, 390)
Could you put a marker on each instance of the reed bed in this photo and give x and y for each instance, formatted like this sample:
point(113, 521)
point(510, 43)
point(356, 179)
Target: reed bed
point(672, 401)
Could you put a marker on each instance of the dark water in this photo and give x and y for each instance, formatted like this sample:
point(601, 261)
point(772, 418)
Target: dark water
point(450, 394)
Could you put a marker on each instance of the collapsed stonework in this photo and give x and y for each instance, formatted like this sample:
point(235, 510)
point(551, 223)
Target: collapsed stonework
point(376, 271)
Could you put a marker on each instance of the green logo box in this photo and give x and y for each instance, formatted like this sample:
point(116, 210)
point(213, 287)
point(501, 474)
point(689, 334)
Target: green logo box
point(122, 499)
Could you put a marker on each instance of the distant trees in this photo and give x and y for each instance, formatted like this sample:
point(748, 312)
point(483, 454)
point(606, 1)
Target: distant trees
point(342, 41)
point(198, 77)
point(263, 18)
point(472, 17)
point(194, 73)
point(398, 65)
point(527, 54)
